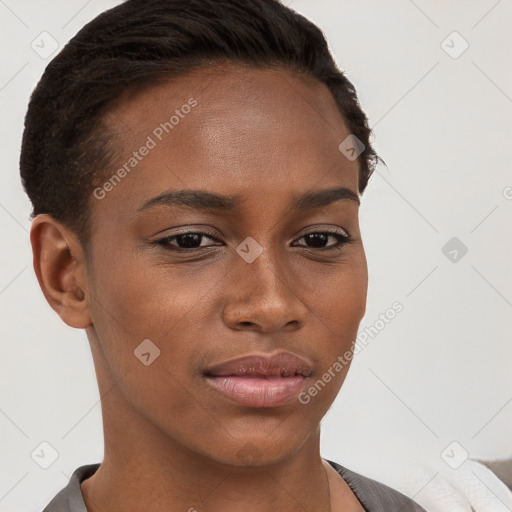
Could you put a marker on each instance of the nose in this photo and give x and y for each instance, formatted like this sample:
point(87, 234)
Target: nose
point(264, 296)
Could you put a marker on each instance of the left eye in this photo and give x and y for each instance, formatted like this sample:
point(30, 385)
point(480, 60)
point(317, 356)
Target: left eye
point(318, 238)
point(193, 240)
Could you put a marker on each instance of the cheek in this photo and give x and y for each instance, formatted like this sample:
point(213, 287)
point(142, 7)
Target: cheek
point(339, 297)
point(339, 307)
point(134, 303)
point(142, 301)
point(141, 320)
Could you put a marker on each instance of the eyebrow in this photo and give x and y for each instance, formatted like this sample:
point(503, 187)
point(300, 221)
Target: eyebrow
point(203, 200)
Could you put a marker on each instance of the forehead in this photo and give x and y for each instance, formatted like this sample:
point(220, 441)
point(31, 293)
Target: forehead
point(230, 129)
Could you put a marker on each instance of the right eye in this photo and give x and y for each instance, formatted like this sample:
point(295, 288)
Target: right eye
point(189, 241)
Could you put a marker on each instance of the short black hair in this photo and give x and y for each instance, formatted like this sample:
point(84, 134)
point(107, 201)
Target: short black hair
point(66, 150)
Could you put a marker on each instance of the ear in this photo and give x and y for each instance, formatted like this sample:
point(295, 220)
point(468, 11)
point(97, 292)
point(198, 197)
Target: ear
point(61, 269)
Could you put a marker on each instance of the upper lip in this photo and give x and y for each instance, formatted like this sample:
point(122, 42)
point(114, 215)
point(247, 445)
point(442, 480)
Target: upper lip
point(262, 365)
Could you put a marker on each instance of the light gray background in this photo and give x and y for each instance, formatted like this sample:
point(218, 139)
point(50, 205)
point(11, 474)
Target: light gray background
point(437, 373)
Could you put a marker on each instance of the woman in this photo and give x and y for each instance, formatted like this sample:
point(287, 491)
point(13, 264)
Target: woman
point(195, 169)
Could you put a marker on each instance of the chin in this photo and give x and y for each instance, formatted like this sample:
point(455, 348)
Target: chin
point(258, 452)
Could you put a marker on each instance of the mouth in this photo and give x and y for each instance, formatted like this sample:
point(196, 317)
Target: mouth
point(260, 380)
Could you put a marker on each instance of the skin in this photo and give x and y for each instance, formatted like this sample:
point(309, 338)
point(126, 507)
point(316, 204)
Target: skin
point(171, 441)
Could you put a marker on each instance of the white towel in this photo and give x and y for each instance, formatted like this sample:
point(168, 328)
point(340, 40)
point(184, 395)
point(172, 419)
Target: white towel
point(470, 488)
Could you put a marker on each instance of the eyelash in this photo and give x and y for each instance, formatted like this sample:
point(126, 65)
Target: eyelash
point(343, 239)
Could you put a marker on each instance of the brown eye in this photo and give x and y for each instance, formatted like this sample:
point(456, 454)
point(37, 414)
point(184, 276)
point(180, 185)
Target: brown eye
point(185, 241)
point(319, 240)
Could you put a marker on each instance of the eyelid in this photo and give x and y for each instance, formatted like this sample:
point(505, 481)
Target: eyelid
point(331, 230)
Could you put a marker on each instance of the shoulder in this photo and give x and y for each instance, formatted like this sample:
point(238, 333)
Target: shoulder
point(69, 499)
point(375, 496)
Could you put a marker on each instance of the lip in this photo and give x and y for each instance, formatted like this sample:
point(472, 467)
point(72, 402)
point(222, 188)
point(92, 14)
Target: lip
point(280, 364)
point(259, 380)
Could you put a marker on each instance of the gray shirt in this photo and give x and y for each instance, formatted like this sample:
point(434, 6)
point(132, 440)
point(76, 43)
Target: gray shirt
point(374, 496)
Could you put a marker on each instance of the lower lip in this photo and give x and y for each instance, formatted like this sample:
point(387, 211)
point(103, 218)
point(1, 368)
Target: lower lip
point(258, 391)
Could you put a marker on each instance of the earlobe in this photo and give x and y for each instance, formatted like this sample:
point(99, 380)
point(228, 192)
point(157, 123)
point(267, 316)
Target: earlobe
point(60, 266)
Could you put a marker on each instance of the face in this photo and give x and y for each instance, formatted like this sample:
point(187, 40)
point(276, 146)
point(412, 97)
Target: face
point(205, 279)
